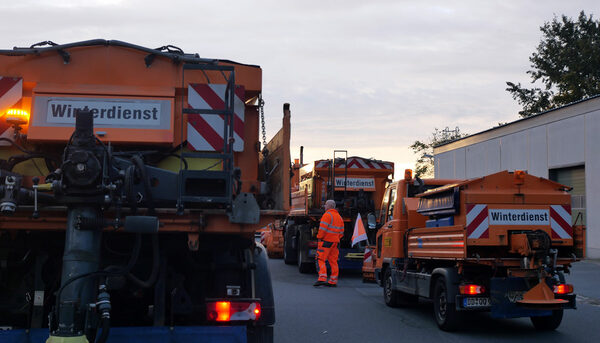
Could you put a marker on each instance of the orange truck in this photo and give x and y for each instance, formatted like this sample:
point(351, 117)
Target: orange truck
point(500, 243)
point(132, 182)
point(355, 183)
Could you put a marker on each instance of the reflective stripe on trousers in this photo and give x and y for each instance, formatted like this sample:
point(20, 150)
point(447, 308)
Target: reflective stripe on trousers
point(329, 254)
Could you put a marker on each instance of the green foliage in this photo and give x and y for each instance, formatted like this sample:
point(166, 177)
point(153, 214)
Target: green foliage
point(424, 166)
point(566, 62)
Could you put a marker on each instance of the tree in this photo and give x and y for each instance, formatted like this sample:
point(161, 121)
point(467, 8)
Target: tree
point(424, 166)
point(566, 62)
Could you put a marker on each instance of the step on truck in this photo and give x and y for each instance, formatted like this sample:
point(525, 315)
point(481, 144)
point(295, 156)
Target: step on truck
point(355, 183)
point(132, 181)
point(500, 243)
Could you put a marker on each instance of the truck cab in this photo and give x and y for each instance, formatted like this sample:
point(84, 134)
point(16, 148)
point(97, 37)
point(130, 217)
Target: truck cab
point(397, 214)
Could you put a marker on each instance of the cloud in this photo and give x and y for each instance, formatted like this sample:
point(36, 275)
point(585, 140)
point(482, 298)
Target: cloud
point(367, 76)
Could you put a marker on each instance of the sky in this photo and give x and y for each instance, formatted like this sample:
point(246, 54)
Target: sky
point(369, 77)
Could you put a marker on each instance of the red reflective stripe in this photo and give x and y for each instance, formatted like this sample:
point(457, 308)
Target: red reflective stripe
point(561, 222)
point(477, 221)
point(215, 101)
point(206, 131)
point(6, 83)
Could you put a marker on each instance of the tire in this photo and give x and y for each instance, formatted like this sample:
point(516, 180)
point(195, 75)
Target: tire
point(260, 334)
point(390, 296)
point(304, 267)
point(289, 255)
point(548, 323)
point(446, 316)
point(263, 288)
point(394, 298)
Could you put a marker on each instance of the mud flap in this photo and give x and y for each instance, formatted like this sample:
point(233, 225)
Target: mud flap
point(244, 209)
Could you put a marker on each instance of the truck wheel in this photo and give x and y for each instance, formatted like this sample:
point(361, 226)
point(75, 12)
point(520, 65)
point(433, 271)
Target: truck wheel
point(303, 267)
point(548, 323)
point(395, 298)
point(260, 334)
point(289, 255)
point(446, 316)
point(390, 296)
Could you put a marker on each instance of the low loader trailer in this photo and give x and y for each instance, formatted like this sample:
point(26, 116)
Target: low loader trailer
point(500, 243)
point(132, 181)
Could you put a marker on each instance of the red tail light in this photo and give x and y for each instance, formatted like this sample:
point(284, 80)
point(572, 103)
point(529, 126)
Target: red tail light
point(225, 311)
point(312, 244)
point(471, 289)
point(563, 288)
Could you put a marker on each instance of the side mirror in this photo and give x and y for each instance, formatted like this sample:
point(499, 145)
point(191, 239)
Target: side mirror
point(371, 221)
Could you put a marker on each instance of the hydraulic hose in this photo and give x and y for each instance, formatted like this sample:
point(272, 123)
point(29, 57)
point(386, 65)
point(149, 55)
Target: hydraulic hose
point(111, 270)
point(105, 325)
point(139, 163)
point(155, 266)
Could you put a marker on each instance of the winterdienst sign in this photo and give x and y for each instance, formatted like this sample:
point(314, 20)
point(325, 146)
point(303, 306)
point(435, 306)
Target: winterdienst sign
point(108, 112)
point(518, 217)
point(354, 183)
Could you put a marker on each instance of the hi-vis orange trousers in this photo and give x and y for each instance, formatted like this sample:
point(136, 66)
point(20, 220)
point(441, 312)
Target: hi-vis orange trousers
point(328, 251)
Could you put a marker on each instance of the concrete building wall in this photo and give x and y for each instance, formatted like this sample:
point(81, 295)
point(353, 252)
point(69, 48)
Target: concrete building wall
point(592, 182)
point(569, 136)
point(538, 152)
point(566, 142)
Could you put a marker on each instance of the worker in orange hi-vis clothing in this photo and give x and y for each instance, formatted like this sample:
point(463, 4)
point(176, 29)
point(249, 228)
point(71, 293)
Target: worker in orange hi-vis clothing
point(331, 230)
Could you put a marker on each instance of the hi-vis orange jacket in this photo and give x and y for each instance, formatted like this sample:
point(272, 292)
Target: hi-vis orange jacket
point(331, 228)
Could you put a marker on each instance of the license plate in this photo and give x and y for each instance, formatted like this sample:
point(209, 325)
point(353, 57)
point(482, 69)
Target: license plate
point(476, 302)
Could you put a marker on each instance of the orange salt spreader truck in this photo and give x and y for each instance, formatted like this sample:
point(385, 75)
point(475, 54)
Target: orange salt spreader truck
point(500, 243)
point(131, 183)
point(355, 183)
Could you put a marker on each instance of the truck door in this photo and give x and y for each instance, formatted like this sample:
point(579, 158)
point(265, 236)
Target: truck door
point(386, 216)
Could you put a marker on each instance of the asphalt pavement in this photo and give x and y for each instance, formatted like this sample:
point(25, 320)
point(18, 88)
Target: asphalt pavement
point(355, 312)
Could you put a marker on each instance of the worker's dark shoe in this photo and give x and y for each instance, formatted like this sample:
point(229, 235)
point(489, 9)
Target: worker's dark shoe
point(320, 283)
point(331, 285)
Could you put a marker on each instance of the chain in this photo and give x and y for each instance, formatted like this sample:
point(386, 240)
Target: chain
point(261, 106)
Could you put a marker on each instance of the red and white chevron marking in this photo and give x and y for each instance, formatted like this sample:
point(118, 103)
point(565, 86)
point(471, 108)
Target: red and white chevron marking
point(477, 221)
point(357, 163)
point(263, 239)
point(560, 221)
point(205, 131)
point(11, 92)
point(368, 257)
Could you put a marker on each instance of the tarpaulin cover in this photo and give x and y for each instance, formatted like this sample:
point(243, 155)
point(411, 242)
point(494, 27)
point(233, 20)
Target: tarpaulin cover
point(187, 334)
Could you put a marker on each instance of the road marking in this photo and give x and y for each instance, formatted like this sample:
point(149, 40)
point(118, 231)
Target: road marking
point(588, 300)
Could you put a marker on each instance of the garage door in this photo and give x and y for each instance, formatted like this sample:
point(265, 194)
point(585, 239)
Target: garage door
point(573, 177)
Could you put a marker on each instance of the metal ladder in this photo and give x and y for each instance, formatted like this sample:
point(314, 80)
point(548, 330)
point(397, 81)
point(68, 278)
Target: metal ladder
point(332, 173)
point(189, 180)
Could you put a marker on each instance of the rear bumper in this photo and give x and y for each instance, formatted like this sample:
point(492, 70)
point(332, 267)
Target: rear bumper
point(509, 309)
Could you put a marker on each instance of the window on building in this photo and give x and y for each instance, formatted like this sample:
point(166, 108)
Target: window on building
point(573, 177)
